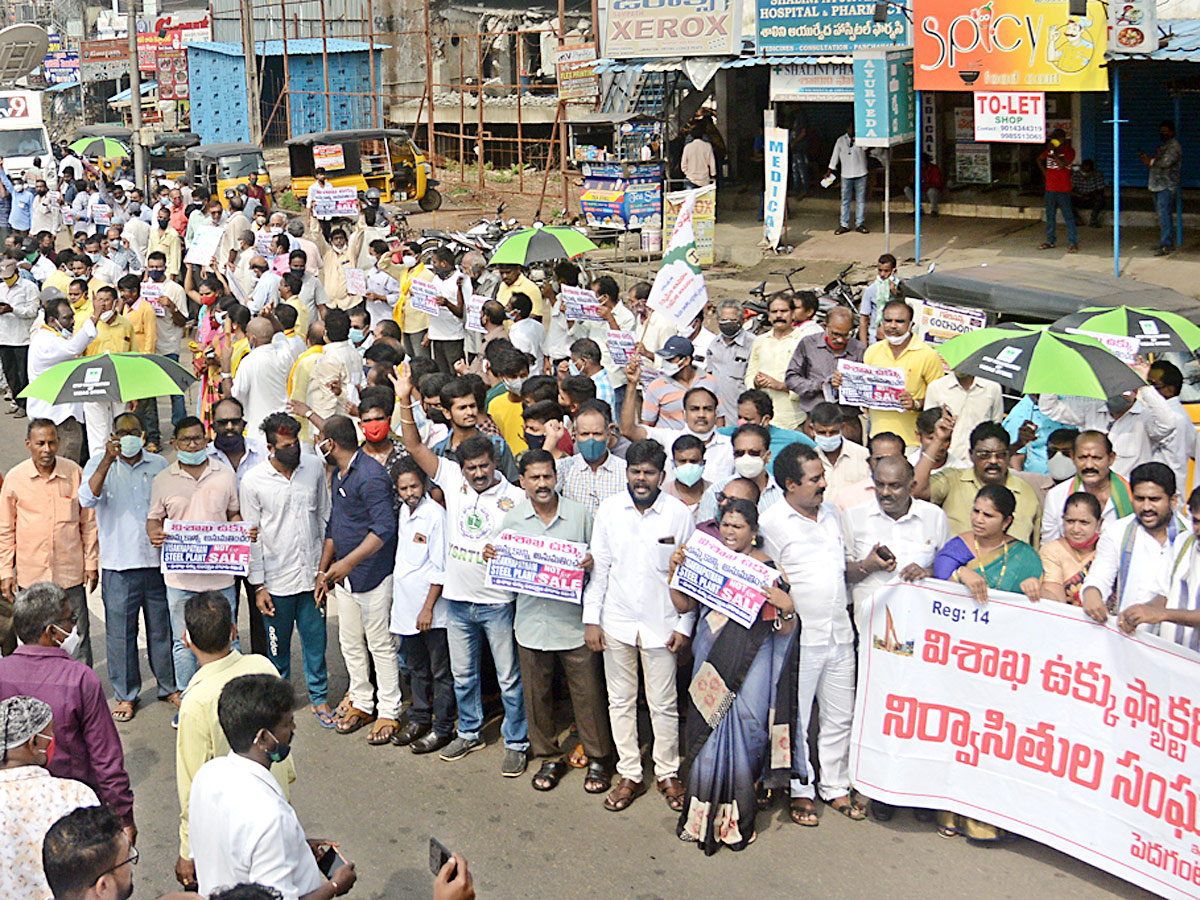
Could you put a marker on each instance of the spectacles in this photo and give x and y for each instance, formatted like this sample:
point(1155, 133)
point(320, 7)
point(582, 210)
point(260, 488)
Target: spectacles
point(259, 268)
point(986, 455)
point(191, 441)
point(225, 423)
point(738, 453)
point(131, 861)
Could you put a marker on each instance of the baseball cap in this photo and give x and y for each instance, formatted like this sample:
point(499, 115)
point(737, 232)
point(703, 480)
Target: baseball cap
point(675, 347)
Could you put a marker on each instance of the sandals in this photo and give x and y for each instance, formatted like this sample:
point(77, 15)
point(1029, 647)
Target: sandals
point(763, 796)
point(625, 793)
point(850, 809)
point(326, 719)
point(174, 698)
point(382, 731)
point(549, 775)
point(803, 812)
point(672, 789)
point(123, 711)
point(597, 780)
point(578, 759)
point(948, 831)
point(1046, 247)
point(353, 720)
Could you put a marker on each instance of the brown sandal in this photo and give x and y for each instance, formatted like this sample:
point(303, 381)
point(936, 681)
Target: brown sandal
point(578, 759)
point(672, 788)
point(625, 793)
point(353, 720)
point(382, 731)
point(174, 698)
point(123, 711)
point(804, 813)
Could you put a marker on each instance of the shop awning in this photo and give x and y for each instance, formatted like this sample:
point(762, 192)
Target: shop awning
point(1182, 41)
point(62, 86)
point(123, 96)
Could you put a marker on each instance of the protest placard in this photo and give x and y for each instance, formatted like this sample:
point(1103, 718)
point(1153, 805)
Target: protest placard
point(262, 242)
point(678, 289)
point(423, 297)
point(152, 294)
point(475, 313)
point(874, 387)
point(204, 245)
point(537, 565)
point(1033, 718)
point(101, 214)
point(722, 579)
point(329, 202)
point(206, 548)
point(356, 282)
point(621, 346)
point(581, 305)
point(938, 323)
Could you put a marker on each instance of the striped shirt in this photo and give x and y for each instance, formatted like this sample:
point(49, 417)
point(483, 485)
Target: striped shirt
point(662, 404)
point(577, 481)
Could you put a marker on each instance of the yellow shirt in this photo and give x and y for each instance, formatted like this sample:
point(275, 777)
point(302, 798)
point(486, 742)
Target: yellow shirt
point(84, 309)
point(410, 321)
point(60, 280)
point(297, 384)
point(523, 285)
point(771, 355)
point(954, 491)
point(506, 413)
point(922, 367)
point(301, 313)
point(240, 348)
point(112, 337)
point(145, 325)
point(200, 737)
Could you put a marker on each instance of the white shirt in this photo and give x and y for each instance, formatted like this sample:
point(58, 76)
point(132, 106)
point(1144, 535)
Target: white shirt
point(291, 514)
point(254, 453)
point(1174, 579)
point(45, 215)
point(338, 362)
point(261, 381)
point(915, 537)
point(598, 332)
point(1146, 425)
point(811, 556)
point(848, 157)
point(849, 468)
point(628, 595)
point(241, 829)
point(380, 282)
point(472, 520)
point(137, 232)
point(107, 271)
point(1149, 564)
point(982, 403)
point(446, 326)
point(1052, 510)
point(48, 348)
point(316, 191)
point(718, 452)
point(420, 563)
point(1179, 448)
point(15, 325)
point(529, 336)
point(700, 344)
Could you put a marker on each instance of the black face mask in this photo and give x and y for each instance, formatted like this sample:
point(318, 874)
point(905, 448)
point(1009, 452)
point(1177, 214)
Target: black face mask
point(164, 224)
point(438, 416)
point(535, 441)
point(288, 457)
point(730, 329)
point(229, 443)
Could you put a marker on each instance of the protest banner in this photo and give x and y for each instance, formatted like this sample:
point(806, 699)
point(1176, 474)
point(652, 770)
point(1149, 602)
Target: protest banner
point(580, 304)
point(423, 297)
point(537, 565)
point(329, 202)
point(938, 323)
point(875, 387)
point(206, 548)
point(475, 313)
point(1033, 718)
point(204, 246)
point(678, 288)
point(722, 579)
point(621, 346)
point(356, 281)
point(235, 286)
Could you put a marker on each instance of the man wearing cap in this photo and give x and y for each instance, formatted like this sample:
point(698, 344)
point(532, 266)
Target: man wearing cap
point(18, 309)
point(663, 401)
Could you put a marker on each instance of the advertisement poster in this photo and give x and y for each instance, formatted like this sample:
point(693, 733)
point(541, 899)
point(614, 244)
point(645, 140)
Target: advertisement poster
point(172, 74)
point(1011, 117)
point(581, 305)
point(824, 26)
point(938, 323)
point(775, 161)
point(704, 220)
point(874, 387)
point(1009, 45)
point(537, 565)
point(576, 71)
point(1033, 718)
point(679, 289)
point(328, 156)
point(725, 581)
point(635, 29)
point(423, 297)
point(815, 83)
point(1132, 26)
point(206, 548)
point(973, 163)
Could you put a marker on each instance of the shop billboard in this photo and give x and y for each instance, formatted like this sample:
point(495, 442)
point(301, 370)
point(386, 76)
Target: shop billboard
point(1009, 45)
point(816, 83)
point(884, 102)
point(825, 26)
point(637, 29)
point(1012, 117)
point(1132, 26)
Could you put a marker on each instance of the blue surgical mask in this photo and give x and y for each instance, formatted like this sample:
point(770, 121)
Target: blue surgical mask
point(357, 336)
point(689, 473)
point(191, 457)
point(131, 445)
point(828, 442)
point(592, 449)
point(572, 368)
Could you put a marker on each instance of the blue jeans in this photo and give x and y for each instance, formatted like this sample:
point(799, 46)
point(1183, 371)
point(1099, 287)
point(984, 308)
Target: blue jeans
point(301, 612)
point(1164, 205)
point(856, 188)
point(185, 660)
point(178, 407)
point(125, 594)
point(1056, 200)
point(469, 625)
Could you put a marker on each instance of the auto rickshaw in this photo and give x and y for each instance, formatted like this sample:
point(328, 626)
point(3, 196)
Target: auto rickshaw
point(382, 158)
point(167, 152)
point(222, 167)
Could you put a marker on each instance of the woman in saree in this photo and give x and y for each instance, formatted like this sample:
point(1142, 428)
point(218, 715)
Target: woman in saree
point(743, 695)
point(1066, 561)
point(983, 559)
point(213, 344)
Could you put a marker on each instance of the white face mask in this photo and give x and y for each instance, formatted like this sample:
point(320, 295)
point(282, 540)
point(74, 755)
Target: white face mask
point(107, 316)
point(896, 339)
point(72, 641)
point(828, 442)
point(409, 261)
point(749, 466)
point(704, 436)
point(685, 330)
point(1061, 467)
point(668, 367)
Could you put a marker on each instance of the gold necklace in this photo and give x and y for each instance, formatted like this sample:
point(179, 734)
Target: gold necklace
point(1003, 565)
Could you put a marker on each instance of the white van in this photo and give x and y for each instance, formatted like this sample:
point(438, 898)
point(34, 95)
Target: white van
point(23, 138)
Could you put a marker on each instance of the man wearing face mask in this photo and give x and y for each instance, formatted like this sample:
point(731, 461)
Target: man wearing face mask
point(210, 634)
point(20, 216)
point(116, 484)
point(86, 746)
point(595, 472)
point(18, 309)
point(32, 798)
point(413, 323)
point(242, 828)
point(165, 240)
point(446, 330)
point(662, 404)
point(617, 317)
point(44, 533)
point(699, 420)
point(383, 289)
point(587, 359)
point(338, 253)
point(45, 214)
point(751, 462)
point(114, 334)
point(769, 359)
point(729, 356)
point(54, 342)
point(901, 349)
point(261, 379)
point(1092, 459)
point(845, 462)
point(527, 332)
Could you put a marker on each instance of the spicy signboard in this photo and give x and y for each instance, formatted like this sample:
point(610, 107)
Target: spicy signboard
point(1009, 45)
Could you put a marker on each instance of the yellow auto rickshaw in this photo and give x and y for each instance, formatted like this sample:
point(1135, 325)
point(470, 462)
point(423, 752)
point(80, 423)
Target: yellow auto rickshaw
point(167, 152)
point(222, 167)
point(385, 159)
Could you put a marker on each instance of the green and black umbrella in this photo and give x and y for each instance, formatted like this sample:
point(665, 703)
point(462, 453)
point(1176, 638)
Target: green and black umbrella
point(1035, 360)
point(1156, 331)
point(110, 377)
point(540, 245)
point(99, 147)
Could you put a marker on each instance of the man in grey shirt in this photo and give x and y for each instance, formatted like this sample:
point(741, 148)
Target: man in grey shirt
point(1164, 168)
point(728, 356)
point(812, 374)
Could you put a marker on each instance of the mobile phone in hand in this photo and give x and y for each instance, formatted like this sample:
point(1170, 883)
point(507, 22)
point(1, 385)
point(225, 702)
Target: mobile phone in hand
point(439, 855)
point(330, 860)
point(885, 554)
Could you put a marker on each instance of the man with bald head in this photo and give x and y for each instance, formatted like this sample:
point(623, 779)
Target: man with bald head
point(261, 380)
point(812, 374)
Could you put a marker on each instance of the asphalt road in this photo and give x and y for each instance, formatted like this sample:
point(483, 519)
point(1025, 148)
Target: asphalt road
point(383, 804)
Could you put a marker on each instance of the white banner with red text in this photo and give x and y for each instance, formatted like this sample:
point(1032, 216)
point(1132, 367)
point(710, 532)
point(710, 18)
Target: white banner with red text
point(1034, 718)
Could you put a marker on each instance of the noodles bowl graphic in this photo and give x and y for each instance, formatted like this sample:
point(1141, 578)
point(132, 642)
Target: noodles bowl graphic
point(970, 76)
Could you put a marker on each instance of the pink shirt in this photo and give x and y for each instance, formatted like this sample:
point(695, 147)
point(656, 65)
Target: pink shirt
point(211, 498)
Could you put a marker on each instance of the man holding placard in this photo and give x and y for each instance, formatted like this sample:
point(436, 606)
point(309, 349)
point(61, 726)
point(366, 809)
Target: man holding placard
point(549, 626)
point(902, 349)
point(447, 329)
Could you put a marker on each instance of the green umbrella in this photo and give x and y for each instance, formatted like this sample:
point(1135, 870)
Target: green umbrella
point(1035, 360)
point(99, 147)
point(540, 245)
point(1156, 331)
point(110, 377)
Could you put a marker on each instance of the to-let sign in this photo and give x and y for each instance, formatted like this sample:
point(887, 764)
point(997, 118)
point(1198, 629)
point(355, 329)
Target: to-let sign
point(1014, 117)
